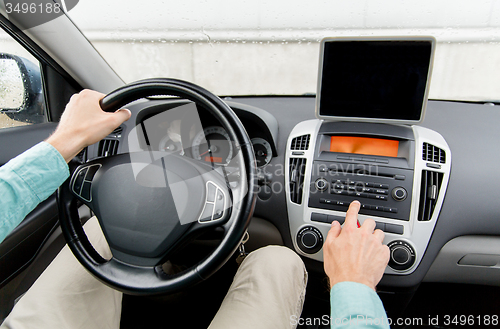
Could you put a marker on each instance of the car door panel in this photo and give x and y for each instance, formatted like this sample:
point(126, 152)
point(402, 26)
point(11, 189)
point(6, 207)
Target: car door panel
point(16, 140)
point(21, 246)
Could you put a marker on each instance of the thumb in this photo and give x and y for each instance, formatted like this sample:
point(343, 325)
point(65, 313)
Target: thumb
point(122, 115)
point(334, 230)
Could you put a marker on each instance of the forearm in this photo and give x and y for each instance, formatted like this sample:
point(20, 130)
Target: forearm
point(34, 175)
point(27, 180)
point(355, 305)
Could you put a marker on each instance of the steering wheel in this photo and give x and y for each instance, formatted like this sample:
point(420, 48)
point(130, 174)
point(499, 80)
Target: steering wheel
point(149, 203)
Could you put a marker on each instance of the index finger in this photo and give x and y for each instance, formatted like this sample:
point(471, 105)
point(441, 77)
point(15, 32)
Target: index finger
point(351, 218)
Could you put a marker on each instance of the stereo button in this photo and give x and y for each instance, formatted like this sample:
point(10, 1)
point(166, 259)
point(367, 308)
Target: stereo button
point(339, 219)
point(394, 228)
point(315, 217)
point(366, 207)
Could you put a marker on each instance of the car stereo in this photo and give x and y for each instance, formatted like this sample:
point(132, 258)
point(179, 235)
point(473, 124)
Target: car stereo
point(375, 170)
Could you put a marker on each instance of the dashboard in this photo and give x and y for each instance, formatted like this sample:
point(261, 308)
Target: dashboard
point(449, 247)
point(182, 128)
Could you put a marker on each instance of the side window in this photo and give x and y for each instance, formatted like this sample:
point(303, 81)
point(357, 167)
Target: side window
point(21, 89)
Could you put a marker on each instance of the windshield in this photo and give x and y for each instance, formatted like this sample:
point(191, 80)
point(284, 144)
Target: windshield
point(272, 47)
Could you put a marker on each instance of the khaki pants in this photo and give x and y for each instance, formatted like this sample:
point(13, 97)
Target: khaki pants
point(267, 290)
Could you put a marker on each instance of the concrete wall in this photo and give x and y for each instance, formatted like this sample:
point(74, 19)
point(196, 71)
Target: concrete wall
point(238, 47)
point(462, 70)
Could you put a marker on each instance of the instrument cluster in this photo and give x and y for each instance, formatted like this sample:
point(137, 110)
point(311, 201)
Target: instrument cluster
point(210, 143)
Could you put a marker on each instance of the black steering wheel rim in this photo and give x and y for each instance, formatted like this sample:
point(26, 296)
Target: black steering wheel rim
point(136, 280)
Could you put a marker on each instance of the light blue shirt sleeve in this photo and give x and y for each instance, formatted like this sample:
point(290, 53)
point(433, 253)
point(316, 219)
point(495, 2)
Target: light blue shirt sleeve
point(355, 305)
point(27, 180)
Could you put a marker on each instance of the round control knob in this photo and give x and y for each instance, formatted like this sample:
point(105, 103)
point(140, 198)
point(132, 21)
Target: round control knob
point(399, 193)
point(309, 240)
point(402, 255)
point(321, 184)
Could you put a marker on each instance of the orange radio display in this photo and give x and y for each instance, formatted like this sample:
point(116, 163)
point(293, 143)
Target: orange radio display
point(364, 145)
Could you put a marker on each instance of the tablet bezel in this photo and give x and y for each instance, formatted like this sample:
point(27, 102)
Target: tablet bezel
point(430, 39)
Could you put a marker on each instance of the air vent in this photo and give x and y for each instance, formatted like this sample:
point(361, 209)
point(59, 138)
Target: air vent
point(300, 143)
point(429, 192)
point(107, 147)
point(433, 154)
point(297, 174)
point(117, 131)
point(82, 156)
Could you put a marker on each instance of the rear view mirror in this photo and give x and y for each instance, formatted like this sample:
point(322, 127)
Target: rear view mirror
point(21, 96)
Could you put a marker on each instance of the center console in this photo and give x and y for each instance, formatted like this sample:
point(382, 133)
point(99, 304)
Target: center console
point(369, 149)
point(403, 194)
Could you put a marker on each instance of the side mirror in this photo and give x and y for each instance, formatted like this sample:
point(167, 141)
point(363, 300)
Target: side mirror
point(21, 95)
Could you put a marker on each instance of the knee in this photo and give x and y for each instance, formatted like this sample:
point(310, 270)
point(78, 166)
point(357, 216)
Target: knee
point(278, 259)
